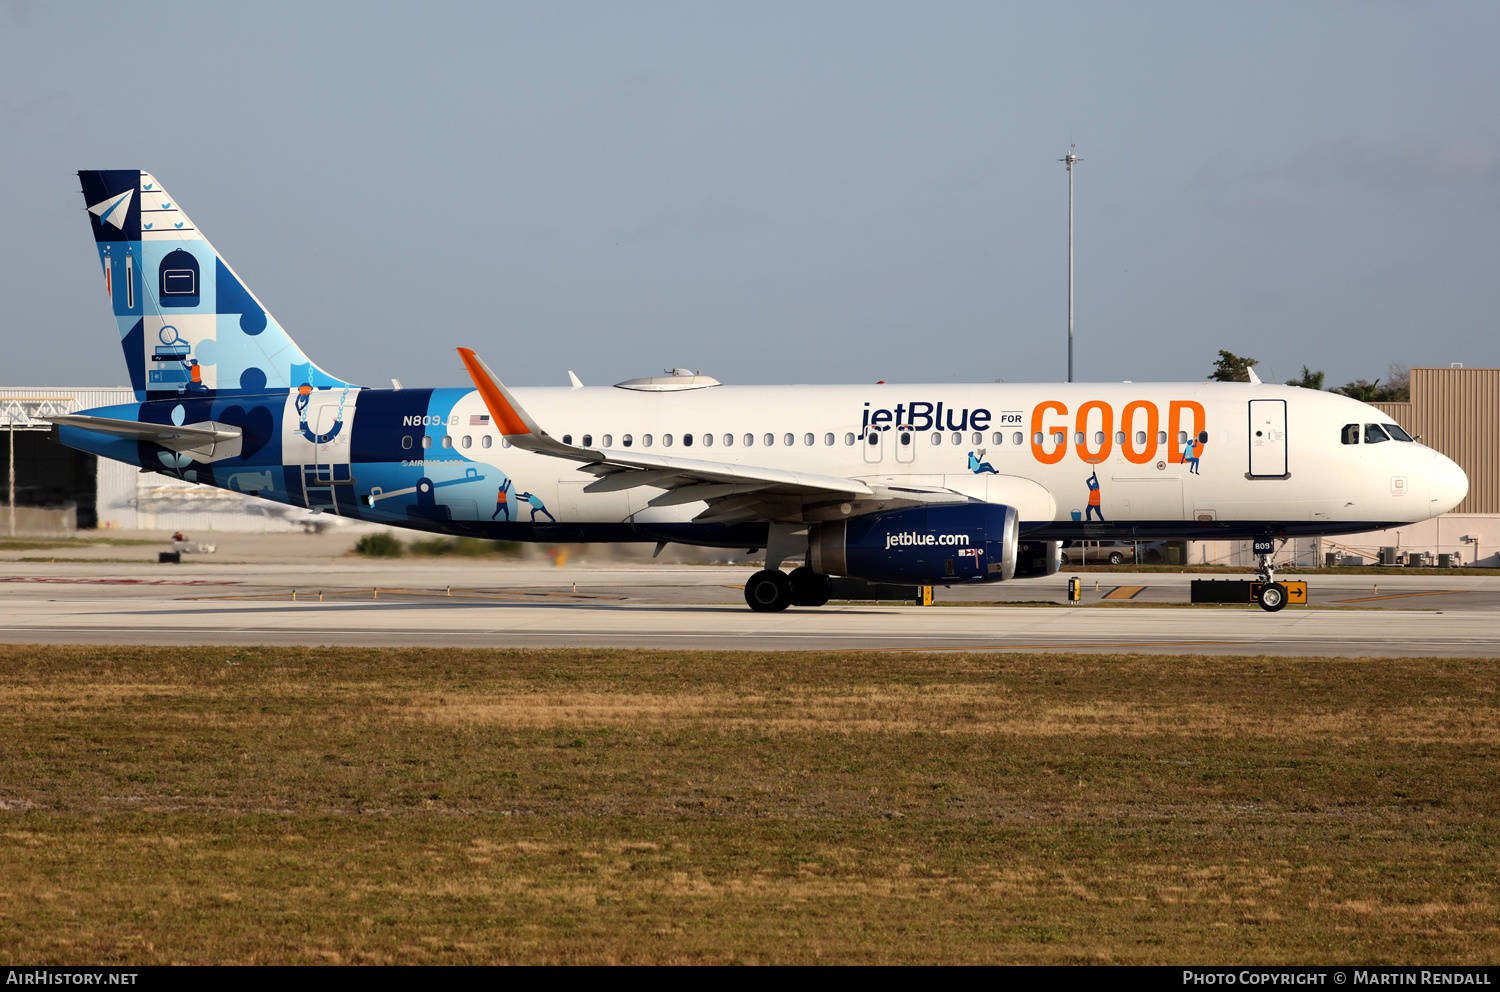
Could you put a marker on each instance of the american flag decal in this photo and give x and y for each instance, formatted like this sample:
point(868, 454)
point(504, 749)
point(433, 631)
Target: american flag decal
point(479, 420)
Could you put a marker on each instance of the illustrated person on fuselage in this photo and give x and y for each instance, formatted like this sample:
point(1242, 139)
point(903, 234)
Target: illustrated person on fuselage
point(1191, 455)
point(502, 501)
point(1093, 511)
point(536, 506)
point(978, 467)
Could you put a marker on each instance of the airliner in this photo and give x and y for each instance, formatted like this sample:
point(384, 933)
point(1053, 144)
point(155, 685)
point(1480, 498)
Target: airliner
point(927, 484)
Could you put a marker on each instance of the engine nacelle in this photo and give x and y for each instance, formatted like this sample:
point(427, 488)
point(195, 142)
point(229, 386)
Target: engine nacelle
point(926, 545)
point(1035, 559)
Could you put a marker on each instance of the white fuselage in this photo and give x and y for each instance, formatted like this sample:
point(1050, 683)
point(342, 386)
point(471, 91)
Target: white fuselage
point(1000, 442)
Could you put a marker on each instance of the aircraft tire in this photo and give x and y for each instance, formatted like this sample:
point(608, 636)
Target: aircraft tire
point(768, 591)
point(1272, 597)
point(809, 588)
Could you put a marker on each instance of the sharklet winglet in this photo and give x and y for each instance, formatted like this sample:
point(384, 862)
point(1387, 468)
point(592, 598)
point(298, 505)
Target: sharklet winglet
point(514, 423)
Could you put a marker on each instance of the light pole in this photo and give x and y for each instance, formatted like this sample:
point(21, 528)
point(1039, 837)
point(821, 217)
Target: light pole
point(1069, 160)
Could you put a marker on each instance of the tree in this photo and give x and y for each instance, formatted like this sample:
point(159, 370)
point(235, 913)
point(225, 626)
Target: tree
point(1398, 382)
point(1231, 367)
point(1308, 379)
point(1396, 390)
point(1360, 389)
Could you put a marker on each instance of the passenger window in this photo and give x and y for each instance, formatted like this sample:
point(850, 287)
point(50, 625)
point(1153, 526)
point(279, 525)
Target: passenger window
point(997, 438)
point(827, 440)
point(467, 442)
point(567, 439)
point(1140, 438)
point(626, 440)
point(448, 441)
point(406, 441)
point(958, 438)
point(1119, 437)
point(505, 442)
point(905, 438)
point(666, 440)
point(609, 441)
point(789, 440)
point(728, 440)
point(427, 441)
point(1036, 438)
point(645, 440)
point(749, 440)
point(1182, 437)
point(708, 440)
point(807, 439)
point(873, 437)
point(1059, 437)
point(1374, 435)
point(978, 438)
point(1098, 437)
point(1016, 437)
point(937, 439)
point(1161, 437)
point(769, 440)
point(486, 441)
point(588, 440)
point(849, 438)
point(687, 440)
point(1078, 437)
point(1397, 433)
point(1203, 437)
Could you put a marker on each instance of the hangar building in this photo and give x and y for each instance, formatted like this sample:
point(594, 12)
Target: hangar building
point(59, 490)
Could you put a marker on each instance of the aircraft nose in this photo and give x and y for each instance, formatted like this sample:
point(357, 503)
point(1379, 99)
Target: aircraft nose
point(1449, 484)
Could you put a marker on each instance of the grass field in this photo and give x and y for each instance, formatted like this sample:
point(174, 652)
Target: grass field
point(296, 805)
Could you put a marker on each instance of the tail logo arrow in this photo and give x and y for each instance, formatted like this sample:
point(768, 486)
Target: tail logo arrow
point(113, 209)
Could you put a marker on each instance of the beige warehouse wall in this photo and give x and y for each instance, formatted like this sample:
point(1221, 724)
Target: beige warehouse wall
point(1457, 411)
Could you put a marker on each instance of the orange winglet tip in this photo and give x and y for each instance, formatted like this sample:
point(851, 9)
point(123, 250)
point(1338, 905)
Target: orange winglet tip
point(504, 415)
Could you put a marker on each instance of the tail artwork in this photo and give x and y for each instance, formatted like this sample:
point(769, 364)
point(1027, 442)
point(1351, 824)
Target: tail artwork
point(186, 321)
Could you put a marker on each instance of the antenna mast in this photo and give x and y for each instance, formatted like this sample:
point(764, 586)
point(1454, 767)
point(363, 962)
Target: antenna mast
point(1069, 160)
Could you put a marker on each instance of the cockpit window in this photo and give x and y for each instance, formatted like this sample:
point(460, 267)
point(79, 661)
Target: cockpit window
point(1374, 435)
point(1397, 433)
point(1350, 434)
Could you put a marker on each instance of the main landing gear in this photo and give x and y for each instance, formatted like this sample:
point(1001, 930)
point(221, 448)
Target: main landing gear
point(772, 590)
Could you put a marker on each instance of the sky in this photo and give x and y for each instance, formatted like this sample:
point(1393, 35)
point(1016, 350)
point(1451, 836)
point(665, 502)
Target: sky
point(776, 192)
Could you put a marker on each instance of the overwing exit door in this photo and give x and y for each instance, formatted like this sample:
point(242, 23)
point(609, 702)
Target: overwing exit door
point(874, 445)
point(1268, 439)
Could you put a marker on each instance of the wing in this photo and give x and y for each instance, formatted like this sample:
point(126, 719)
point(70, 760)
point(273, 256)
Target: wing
point(733, 492)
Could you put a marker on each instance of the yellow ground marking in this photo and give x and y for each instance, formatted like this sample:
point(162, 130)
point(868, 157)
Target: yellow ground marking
point(1400, 595)
point(1124, 592)
point(471, 593)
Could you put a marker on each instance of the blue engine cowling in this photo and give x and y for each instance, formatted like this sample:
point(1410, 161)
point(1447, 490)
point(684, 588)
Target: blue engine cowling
point(928, 545)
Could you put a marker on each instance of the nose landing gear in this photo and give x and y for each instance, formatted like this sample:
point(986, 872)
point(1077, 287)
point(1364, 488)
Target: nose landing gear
point(1272, 595)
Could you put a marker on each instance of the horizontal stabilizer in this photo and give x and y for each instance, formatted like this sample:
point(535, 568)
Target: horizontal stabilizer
point(207, 438)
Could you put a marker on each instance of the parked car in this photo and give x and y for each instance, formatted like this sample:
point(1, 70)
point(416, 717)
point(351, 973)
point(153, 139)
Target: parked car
point(1098, 552)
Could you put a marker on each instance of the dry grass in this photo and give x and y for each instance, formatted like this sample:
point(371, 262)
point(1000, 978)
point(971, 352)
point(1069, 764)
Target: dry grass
point(297, 805)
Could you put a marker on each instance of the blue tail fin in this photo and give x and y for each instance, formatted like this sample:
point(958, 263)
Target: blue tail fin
point(187, 322)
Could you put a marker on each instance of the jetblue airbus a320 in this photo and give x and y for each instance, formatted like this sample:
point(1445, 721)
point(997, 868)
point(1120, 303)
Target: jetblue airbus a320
point(920, 484)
